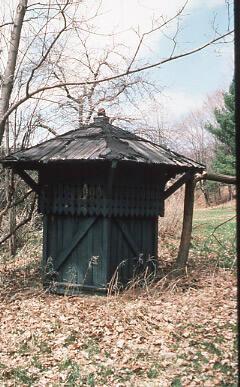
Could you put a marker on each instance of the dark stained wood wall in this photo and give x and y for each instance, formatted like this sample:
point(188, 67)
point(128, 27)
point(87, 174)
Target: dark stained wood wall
point(86, 251)
point(117, 230)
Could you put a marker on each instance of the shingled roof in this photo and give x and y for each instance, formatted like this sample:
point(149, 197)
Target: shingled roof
point(100, 141)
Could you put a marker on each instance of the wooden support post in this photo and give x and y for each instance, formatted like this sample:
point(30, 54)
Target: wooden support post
point(186, 228)
point(107, 221)
point(183, 252)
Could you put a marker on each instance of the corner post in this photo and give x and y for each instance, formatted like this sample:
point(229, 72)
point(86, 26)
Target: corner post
point(186, 227)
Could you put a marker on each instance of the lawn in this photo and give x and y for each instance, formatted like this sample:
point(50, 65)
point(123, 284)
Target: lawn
point(214, 235)
point(173, 333)
point(208, 218)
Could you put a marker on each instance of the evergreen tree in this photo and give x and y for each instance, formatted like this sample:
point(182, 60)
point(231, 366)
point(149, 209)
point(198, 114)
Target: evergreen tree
point(224, 132)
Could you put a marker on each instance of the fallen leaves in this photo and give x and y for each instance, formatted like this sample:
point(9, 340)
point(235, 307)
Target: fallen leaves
point(167, 337)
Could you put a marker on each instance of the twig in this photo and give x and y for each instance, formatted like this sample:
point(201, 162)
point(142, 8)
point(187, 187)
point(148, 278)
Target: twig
point(215, 229)
point(15, 203)
point(44, 56)
point(221, 224)
point(22, 223)
point(106, 79)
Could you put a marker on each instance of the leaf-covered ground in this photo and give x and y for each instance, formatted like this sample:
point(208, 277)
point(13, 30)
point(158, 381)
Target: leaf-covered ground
point(173, 333)
point(176, 334)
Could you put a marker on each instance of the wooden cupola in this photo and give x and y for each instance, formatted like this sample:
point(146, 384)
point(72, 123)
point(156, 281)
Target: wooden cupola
point(101, 190)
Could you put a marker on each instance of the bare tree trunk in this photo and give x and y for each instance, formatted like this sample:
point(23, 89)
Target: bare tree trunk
point(9, 183)
point(12, 218)
point(205, 192)
point(230, 193)
point(187, 226)
point(219, 194)
point(8, 76)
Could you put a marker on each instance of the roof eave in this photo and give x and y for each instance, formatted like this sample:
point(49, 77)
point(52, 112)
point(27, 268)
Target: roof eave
point(36, 165)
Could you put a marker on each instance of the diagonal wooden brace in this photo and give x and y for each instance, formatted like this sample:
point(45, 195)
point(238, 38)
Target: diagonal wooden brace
point(28, 180)
point(74, 242)
point(175, 186)
point(127, 235)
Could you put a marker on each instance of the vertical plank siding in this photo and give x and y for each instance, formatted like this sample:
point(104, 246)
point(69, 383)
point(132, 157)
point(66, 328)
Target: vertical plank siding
point(93, 261)
point(92, 229)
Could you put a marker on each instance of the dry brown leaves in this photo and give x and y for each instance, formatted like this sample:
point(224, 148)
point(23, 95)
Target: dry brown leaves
point(163, 338)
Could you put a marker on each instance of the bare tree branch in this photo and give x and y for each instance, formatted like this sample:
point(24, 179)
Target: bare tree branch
point(106, 79)
point(44, 56)
point(216, 177)
point(154, 30)
point(22, 223)
point(11, 23)
point(8, 76)
point(51, 130)
point(14, 203)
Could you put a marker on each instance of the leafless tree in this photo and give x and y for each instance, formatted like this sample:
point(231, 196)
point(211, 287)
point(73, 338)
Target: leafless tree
point(49, 25)
point(191, 137)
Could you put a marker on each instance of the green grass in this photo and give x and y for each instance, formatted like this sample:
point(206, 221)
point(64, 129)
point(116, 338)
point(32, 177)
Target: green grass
point(91, 347)
point(206, 220)
point(73, 375)
point(214, 235)
point(152, 372)
point(21, 376)
point(176, 383)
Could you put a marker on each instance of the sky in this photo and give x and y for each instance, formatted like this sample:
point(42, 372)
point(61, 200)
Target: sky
point(189, 80)
point(186, 82)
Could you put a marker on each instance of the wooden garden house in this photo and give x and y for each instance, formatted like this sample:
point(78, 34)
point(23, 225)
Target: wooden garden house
point(101, 190)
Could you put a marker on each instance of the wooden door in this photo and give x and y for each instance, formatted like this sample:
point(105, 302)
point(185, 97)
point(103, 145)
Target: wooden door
point(74, 250)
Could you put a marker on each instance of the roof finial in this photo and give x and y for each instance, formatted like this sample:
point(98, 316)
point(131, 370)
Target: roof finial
point(101, 112)
point(101, 117)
